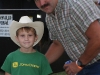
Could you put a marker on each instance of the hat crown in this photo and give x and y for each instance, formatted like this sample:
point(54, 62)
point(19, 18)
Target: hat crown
point(25, 19)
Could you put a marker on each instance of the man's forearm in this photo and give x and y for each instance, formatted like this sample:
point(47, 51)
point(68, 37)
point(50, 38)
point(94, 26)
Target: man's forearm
point(54, 52)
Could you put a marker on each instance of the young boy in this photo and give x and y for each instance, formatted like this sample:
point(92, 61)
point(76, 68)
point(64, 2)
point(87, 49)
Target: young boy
point(26, 60)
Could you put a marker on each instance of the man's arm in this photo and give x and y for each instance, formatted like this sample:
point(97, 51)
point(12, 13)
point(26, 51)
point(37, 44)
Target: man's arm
point(54, 52)
point(93, 45)
point(91, 51)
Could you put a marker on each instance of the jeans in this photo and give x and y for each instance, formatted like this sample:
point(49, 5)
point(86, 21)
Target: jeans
point(93, 69)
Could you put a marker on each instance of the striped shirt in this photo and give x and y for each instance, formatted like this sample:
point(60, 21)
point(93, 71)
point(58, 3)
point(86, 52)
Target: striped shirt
point(69, 24)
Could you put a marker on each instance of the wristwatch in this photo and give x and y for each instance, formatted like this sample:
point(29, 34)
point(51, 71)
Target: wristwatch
point(79, 63)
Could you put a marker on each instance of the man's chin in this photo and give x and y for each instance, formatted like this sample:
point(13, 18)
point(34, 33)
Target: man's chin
point(48, 12)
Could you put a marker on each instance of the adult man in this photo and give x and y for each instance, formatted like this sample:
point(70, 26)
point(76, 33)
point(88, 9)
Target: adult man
point(74, 27)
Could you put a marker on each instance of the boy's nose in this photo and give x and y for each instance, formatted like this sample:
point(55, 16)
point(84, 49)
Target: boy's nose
point(26, 37)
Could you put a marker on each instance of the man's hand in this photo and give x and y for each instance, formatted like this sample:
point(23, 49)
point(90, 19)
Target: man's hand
point(72, 68)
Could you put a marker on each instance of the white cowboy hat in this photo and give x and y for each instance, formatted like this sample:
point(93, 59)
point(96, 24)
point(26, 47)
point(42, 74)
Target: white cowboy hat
point(23, 22)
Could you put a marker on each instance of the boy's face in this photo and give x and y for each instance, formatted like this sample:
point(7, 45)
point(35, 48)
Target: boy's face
point(26, 39)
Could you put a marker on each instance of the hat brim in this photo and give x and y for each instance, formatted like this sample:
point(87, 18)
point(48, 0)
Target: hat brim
point(37, 25)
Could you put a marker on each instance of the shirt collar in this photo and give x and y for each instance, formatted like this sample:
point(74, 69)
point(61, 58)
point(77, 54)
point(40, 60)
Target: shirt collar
point(57, 7)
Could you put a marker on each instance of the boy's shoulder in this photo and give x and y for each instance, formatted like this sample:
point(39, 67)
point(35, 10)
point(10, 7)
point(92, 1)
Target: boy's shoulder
point(40, 54)
point(12, 53)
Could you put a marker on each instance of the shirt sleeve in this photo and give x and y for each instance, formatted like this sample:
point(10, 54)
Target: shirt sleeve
point(84, 11)
point(45, 69)
point(7, 65)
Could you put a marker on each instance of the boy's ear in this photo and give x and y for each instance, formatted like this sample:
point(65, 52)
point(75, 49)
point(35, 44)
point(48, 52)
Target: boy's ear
point(36, 38)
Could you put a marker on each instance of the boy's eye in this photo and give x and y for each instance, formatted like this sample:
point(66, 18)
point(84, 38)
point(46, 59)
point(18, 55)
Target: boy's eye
point(22, 35)
point(29, 35)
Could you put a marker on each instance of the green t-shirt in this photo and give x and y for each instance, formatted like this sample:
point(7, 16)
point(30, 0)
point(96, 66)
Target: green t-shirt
point(18, 63)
